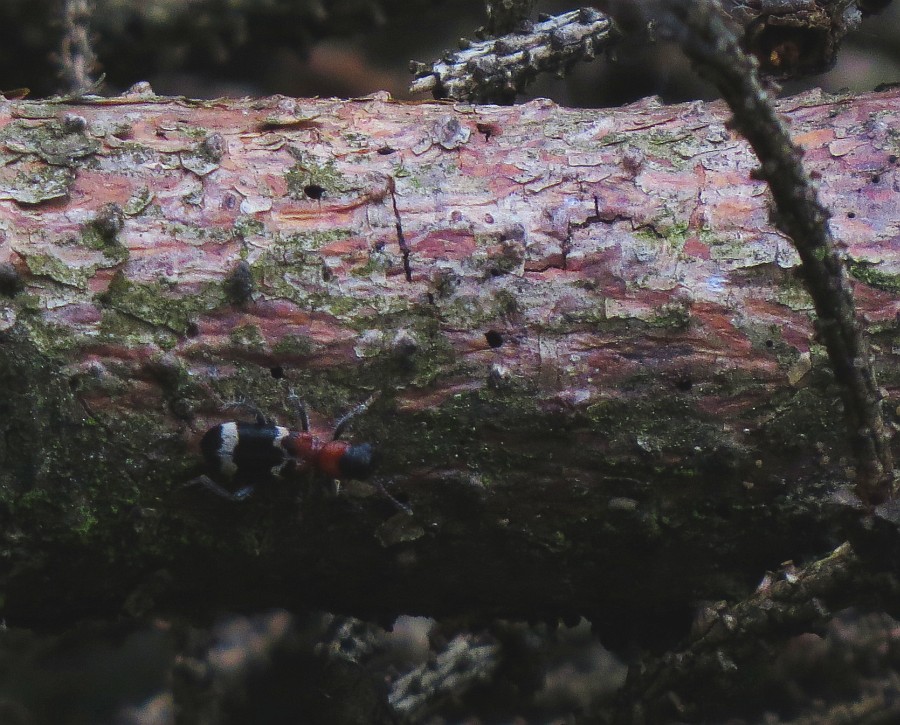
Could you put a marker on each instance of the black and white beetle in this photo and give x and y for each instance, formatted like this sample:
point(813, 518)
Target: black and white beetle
point(249, 454)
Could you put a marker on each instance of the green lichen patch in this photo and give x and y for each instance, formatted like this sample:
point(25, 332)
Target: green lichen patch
point(792, 294)
point(657, 144)
point(36, 111)
point(502, 434)
point(290, 279)
point(138, 201)
point(204, 158)
point(496, 255)
point(663, 137)
point(463, 310)
point(662, 233)
point(112, 250)
point(617, 315)
point(643, 424)
point(156, 305)
point(466, 311)
point(247, 225)
point(57, 142)
point(309, 241)
point(51, 339)
point(807, 415)
point(295, 270)
point(45, 265)
point(769, 340)
point(196, 234)
point(592, 317)
point(36, 185)
point(48, 481)
point(309, 173)
point(433, 360)
point(296, 346)
point(399, 171)
point(874, 277)
point(276, 121)
point(102, 233)
point(376, 262)
point(130, 154)
point(122, 328)
point(248, 337)
point(85, 519)
point(671, 315)
point(734, 248)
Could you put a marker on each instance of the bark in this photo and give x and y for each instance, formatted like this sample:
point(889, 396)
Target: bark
point(600, 387)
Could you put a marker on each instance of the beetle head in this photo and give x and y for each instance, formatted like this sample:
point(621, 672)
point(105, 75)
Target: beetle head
point(358, 461)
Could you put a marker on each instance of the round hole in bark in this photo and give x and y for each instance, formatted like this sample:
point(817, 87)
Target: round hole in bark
point(494, 338)
point(10, 280)
point(684, 384)
point(277, 372)
point(314, 191)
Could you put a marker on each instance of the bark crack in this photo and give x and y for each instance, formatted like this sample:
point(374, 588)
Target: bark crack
point(401, 239)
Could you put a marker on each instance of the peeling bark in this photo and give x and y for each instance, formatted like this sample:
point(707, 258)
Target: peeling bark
point(598, 370)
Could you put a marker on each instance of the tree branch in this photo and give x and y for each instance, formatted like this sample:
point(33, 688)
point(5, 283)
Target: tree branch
point(597, 369)
point(499, 68)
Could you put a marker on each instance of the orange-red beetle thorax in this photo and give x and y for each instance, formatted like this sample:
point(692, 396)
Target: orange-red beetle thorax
point(329, 458)
point(303, 447)
point(310, 451)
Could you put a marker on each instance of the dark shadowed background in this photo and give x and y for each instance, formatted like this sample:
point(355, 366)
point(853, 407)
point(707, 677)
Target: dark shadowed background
point(210, 48)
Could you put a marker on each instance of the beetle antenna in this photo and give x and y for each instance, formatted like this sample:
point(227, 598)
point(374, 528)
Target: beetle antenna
point(341, 425)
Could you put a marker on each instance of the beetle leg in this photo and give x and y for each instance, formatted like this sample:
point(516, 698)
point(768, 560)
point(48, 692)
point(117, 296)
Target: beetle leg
point(242, 493)
point(241, 404)
point(379, 486)
point(300, 410)
point(205, 481)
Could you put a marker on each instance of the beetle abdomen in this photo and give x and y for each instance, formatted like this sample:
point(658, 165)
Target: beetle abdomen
point(245, 452)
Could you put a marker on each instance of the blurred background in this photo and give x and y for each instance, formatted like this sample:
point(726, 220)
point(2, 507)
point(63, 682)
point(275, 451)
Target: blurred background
point(212, 48)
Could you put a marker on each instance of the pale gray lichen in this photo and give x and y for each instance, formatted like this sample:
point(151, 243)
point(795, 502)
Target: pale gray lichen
point(37, 185)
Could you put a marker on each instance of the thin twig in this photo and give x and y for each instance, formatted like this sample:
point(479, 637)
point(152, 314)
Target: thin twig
point(704, 34)
point(728, 641)
point(495, 70)
point(77, 58)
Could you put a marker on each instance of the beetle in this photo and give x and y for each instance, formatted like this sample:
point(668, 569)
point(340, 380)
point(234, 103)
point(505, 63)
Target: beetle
point(249, 454)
